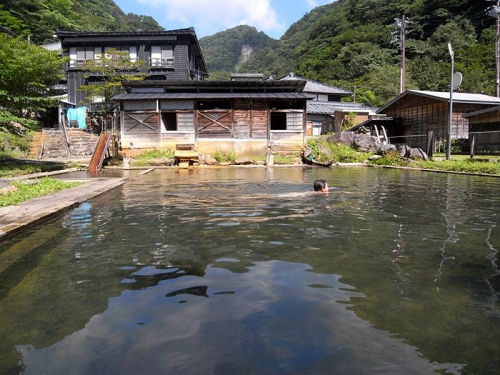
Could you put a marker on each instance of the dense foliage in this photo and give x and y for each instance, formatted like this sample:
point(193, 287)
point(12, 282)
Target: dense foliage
point(356, 44)
point(39, 19)
point(225, 51)
point(116, 66)
point(26, 72)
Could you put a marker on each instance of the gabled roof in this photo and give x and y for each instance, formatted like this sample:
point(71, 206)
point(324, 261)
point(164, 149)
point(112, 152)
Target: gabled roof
point(458, 97)
point(317, 87)
point(318, 107)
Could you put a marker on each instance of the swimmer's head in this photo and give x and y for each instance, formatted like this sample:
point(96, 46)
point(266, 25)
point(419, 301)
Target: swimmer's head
point(320, 185)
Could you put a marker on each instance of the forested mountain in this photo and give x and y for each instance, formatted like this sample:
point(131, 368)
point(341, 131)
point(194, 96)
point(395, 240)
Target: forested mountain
point(356, 44)
point(39, 19)
point(225, 51)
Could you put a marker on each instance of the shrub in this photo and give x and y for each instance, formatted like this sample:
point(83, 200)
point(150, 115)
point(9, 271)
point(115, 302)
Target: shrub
point(324, 151)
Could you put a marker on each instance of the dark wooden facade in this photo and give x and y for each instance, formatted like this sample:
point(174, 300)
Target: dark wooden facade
point(484, 129)
point(169, 55)
point(418, 113)
point(241, 116)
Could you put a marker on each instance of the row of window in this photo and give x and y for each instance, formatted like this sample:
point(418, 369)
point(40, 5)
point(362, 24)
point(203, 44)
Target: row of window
point(184, 121)
point(159, 56)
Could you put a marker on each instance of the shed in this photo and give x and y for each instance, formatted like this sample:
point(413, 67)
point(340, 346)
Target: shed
point(484, 129)
point(417, 113)
point(243, 116)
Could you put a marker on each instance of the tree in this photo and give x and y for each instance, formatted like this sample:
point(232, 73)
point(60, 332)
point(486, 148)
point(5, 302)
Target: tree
point(104, 75)
point(26, 72)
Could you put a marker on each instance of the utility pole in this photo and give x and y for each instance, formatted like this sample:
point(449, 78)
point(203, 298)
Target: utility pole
point(401, 24)
point(403, 55)
point(450, 117)
point(495, 12)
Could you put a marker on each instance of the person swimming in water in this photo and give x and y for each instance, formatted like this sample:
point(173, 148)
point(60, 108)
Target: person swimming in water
point(321, 186)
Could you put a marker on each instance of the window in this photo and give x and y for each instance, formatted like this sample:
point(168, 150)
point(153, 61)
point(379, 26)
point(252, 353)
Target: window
point(162, 56)
point(287, 121)
point(294, 121)
point(169, 120)
point(183, 122)
point(278, 121)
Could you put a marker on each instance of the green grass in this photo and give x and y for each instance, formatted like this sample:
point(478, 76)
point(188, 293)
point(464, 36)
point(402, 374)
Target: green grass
point(151, 157)
point(11, 167)
point(457, 163)
point(29, 189)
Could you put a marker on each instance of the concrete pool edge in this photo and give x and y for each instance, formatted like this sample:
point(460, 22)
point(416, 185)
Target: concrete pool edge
point(15, 218)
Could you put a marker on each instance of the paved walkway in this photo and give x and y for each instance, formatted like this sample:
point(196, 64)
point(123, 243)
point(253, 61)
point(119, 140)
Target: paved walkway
point(13, 218)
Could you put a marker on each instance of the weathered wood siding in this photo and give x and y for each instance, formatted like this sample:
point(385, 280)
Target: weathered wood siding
point(214, 123)
point(420, 115)
point(141, 128)
point(488, 123)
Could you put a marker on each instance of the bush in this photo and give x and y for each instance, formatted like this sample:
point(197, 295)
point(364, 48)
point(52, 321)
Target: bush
point(324, 151)
point(229, 156)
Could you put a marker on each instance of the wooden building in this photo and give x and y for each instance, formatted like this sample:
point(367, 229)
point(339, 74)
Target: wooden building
point(239, 115)
point(484, 130)
point(415, 114)
point(168, 55)
point(326, 112)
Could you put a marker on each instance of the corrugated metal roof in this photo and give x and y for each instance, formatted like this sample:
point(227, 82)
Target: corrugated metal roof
point(458, 97)
point(329, 108)
point(317, 87)
point(193, 96)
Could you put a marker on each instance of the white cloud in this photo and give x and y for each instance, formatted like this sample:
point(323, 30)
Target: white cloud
point(209, 17)
point(315, 3)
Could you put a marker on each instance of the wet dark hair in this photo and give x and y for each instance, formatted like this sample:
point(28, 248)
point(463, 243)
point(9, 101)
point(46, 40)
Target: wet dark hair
point(319, 185)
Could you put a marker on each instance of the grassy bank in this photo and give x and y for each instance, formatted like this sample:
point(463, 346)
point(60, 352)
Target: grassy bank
point(25, 190)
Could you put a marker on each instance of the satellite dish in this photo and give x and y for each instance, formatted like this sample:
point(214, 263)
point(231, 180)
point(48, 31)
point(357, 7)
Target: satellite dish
point(457, 80)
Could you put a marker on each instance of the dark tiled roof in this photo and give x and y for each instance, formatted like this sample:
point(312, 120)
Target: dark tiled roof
point(210, 86)
point(317, 87)
point(329, 108)
point(206, 95)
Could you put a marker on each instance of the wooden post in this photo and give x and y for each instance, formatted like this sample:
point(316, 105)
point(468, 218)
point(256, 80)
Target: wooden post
point(472, 145)
point(430, 143)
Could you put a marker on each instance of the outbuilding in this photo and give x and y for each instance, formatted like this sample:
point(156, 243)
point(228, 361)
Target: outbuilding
point(244, 116)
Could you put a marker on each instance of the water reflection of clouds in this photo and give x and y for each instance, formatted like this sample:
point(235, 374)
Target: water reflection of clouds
point(277, 318)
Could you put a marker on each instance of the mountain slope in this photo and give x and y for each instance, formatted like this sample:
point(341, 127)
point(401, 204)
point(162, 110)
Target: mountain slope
point(40, 19)
point(227, 50)
point(355, 44)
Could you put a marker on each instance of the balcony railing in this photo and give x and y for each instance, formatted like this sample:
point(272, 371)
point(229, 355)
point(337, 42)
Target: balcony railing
point(167, 62)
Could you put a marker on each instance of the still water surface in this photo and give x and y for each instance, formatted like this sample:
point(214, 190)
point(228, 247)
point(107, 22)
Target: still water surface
point(247, 271)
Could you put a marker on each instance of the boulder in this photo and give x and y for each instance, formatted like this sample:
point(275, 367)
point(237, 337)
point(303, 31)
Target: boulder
point(244, 160)
point(342, 137)
point(366, 143)
point(386, 148)
point(209, 160)
point(417, 153)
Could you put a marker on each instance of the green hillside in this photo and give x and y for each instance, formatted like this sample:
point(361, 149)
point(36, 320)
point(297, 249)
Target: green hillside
point(225, 51)
point(39, 19)
point(355, 44)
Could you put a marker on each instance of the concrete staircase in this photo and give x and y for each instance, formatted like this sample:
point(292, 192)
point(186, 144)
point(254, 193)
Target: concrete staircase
point(36, 146)
point(51, 144)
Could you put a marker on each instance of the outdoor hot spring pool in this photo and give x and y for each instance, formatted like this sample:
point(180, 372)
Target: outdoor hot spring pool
point(247, 271)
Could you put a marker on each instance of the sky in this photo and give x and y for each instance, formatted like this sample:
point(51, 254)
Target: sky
point(208, 17)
